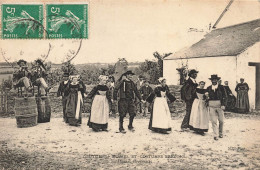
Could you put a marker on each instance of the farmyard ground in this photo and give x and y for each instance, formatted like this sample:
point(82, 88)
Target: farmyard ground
point(56, 145)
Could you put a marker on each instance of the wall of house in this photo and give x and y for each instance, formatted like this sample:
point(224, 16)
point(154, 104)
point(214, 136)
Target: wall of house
point(252, 54)
point(225, 67)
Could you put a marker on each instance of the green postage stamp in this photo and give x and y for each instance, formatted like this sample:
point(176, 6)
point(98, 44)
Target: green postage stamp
point(22, 21)
point(67, 21)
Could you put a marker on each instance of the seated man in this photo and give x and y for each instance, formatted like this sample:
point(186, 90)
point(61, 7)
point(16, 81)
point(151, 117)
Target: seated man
point(39, 74)
point(231, 99)
point(21, 77)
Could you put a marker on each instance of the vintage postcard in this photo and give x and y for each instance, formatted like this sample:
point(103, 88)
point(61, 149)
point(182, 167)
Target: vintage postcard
point(129, 84)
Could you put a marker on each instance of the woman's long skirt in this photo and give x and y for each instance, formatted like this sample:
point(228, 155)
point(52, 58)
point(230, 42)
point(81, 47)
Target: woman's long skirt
point(199, 117)
point(74, 108)
point(160, 119)
point(98, 119)
point(242, 104)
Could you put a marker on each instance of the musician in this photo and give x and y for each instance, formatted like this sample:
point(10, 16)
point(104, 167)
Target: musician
point(22, 76)
point(38, 77)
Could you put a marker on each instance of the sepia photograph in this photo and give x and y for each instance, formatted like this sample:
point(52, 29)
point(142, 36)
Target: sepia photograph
point(129, 84)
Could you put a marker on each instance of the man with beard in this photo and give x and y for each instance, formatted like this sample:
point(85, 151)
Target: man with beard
point(216, 99)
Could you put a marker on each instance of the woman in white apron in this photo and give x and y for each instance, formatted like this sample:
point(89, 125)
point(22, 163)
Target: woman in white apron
point(98, 119)
point(199, 117)
point(160, 120)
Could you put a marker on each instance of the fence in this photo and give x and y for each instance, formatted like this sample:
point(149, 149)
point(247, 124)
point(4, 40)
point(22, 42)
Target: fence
point(3, 101)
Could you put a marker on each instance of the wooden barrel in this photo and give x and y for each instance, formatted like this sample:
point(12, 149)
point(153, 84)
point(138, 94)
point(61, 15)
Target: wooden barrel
point(44, 109)
point(25, 112)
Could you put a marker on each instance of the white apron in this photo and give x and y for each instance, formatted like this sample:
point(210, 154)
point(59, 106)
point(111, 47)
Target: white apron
point(161, 113)
point(100, 109)
point(199, 117)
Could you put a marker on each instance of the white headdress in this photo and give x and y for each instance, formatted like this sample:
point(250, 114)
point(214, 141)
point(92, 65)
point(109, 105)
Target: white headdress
point(161, 79)
point(103, 77)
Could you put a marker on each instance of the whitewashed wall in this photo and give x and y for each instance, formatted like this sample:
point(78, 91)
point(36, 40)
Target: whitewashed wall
point(252, 54)
point(230, 68)
point(225, 67)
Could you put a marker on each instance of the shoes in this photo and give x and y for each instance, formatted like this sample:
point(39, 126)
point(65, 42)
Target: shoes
point(202, 133)
point(220, 136)
point(184, 129)
point(104, 130)
point(131, 128)
point(164, 132)
point(215, 138)
point(122, 131)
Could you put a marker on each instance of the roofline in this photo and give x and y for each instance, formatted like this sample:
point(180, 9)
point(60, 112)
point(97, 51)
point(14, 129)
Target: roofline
point(236, 24)
point(201, 57)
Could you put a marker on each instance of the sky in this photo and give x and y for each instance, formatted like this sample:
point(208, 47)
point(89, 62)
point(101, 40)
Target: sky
point(134, 29)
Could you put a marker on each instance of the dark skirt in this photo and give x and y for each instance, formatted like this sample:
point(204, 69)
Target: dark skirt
point(242, 104)
point(97, 127)
point(197, 130)
point(70, 112)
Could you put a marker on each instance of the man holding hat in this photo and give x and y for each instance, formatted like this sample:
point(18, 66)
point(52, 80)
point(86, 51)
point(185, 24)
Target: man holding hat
point(39, 74)
point(216, 97)
point(188, 94)
point(127, 91)
point(63, 93)
point(21, 76)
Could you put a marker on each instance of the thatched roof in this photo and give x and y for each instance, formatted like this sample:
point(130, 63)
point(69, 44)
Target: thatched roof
point(228, 41)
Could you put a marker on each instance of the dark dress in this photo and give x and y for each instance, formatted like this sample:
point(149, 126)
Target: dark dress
point(230, 99)
point(242, 104)
point(160, 114)
point(74, 104)
point(98, 119)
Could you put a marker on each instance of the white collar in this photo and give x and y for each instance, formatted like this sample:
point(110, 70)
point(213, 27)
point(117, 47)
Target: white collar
point(214, 87)
point(193, 80)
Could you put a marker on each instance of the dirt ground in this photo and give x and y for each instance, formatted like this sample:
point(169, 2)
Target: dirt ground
point(55, 145)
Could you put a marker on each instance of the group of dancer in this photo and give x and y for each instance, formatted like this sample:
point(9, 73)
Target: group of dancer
point(207, 104)
point(202, 104)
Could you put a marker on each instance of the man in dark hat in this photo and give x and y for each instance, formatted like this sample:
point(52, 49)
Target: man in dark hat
point(127, 91)
point(39, 74)
point(216, 97)
point(22, 76)
point(64, 94)
point(188, 94)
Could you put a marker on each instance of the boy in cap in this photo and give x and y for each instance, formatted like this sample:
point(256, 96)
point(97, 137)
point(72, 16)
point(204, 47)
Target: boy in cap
point(64, 93)
point(145, 91)
point(127, 91)
point(216, 97)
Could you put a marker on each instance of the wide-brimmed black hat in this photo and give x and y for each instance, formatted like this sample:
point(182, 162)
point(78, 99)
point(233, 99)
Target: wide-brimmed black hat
point(214, 76)
point(192, 71)
point(128, 72)
point(66, 74)
point(21, 61)
point(39, 61)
